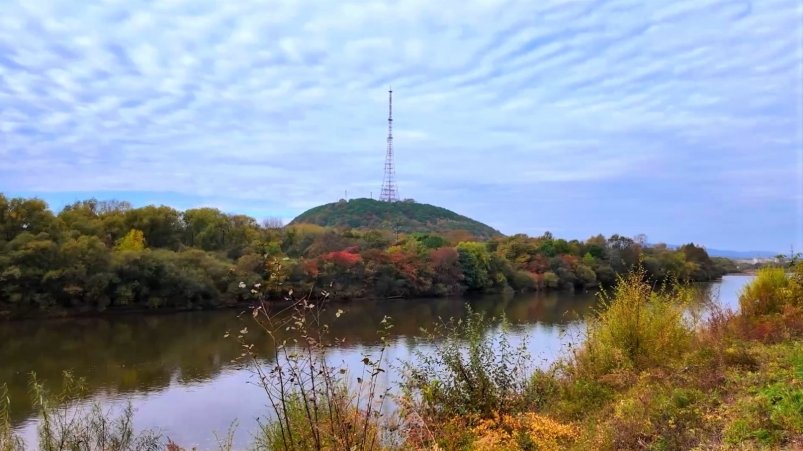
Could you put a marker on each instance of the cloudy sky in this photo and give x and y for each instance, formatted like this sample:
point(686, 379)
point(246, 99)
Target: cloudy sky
point(678, 119)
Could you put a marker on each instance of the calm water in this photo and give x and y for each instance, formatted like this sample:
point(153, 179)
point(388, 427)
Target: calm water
point(177, 369)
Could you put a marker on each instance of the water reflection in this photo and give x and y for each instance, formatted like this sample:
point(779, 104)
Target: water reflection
point(126, 354)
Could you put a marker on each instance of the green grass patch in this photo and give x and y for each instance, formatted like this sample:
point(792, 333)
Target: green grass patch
point(768, 406)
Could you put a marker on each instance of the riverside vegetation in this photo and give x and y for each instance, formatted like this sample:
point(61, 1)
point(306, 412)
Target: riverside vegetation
point(96, 256)
point(647, 375)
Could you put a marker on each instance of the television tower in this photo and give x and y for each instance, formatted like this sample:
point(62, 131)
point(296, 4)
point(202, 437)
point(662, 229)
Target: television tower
point(389, 192)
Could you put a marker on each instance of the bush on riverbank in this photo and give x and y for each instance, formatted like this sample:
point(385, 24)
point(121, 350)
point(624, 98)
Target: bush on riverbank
point(469, 373)
point(636, 327)
point(772, 306)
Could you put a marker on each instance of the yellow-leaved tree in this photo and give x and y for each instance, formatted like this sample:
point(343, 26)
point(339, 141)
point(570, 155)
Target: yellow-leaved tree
point(134, 240)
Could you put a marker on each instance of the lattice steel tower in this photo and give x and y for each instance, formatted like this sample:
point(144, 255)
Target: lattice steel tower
point(389, 192)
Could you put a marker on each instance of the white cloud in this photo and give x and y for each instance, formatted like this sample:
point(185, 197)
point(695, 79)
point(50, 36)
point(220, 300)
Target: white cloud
point(284, 101)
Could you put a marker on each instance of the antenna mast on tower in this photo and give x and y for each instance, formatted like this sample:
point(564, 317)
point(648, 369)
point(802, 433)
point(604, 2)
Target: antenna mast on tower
point(389, 192)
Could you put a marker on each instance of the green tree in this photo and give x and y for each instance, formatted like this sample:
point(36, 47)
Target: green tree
point(586, 276)
point(25, 215)
point(82, 217)
point(474, 259)
point(206, 228)
point(161, 225)
point(83, 275)
point(702, 267)
point(24, 263)
point(596, 246)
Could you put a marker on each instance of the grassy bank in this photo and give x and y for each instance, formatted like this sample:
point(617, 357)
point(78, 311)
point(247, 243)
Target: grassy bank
point(648, 375)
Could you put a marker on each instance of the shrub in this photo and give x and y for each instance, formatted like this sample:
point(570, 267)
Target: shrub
point(580, 396)
point(637, 328)
point(795, 289)
point(772, 305)
point(764, 295)
point(551, 280)
point(540, 389)
point(470, 372)
point(528, 431)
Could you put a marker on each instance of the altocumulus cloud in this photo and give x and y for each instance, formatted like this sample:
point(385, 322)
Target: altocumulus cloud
point(677, 119)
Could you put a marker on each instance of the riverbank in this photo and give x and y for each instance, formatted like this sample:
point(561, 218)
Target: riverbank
point(331, 299)
point(279, 303)
point(646, 378)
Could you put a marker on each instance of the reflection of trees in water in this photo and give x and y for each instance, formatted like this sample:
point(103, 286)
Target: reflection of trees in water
point(115, 355)
point(127, 354)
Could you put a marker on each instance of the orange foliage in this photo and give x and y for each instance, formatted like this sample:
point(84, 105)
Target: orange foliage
point(770, 328)
point(406, 264)
point(443, 257)
point(569, 261)
point(538, 264)
point(342, 258)
point(311, 268)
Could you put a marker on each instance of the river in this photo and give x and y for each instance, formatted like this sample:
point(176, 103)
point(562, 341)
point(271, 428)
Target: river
point(183, 378)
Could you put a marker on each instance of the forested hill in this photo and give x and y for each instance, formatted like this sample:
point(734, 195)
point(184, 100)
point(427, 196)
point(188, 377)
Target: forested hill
point(405, 217)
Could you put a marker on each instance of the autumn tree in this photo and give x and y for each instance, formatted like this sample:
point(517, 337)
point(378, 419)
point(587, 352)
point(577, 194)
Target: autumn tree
point(134, 240)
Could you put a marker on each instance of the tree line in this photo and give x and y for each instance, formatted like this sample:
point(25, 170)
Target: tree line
point(98, 255)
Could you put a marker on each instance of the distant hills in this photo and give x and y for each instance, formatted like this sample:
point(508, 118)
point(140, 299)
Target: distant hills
point(406, 216)
point(740, 254)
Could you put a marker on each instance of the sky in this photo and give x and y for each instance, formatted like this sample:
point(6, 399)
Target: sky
point(677, 119)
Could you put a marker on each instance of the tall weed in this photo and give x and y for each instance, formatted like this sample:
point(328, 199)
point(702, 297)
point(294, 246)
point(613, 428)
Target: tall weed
point(65, 423)
point(9, 441)
point(313, 404)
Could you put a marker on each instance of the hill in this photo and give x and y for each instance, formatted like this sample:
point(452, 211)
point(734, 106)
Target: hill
point(404, 216)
